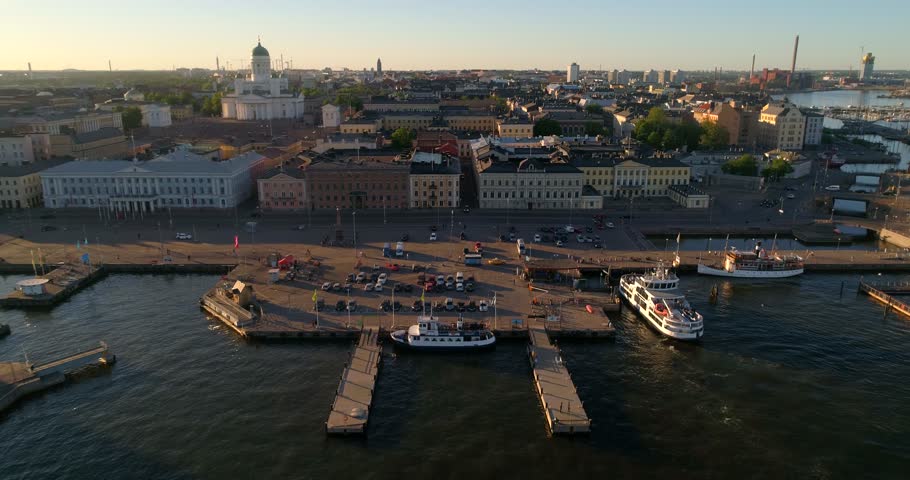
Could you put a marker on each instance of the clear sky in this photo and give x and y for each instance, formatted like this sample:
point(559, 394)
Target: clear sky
point(427, 34)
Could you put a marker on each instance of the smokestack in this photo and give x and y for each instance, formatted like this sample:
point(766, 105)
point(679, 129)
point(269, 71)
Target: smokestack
point(109, 68)
point(217, 64)
point(29, 70)
point(793, 65)
point(752, 70)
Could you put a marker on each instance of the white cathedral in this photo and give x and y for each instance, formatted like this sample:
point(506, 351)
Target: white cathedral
point(259, 96)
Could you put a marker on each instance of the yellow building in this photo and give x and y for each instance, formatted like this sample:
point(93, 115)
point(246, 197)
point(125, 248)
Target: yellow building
point(624, 178)
point(360, 125)
point(481, 122)
point(20, 186)
point(410, 120)
point(434, 181)
point(514, 128)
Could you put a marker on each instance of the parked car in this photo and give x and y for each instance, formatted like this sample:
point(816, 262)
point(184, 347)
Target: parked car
point(495, 261)
point(184, 236)
point(559, 243)
point(382, 278)
point(483, 306)
point(469, 286)
point(610, 225)
point(347, 287)
point(833, 188)
point(450, 304)
point(405, 237)
point(396, 306)
point(397, 288)
point(416, 306)
point(336, 286)
point(450, 285)
point(408, 288)
point(460, 307)
point(352, 306)
point(433, 237)
point(327, 286)
point(377, 287)
point(368, 287)
point(361, 277)
point(340, 305)
point(393, 267)
point(459, 287)
point(440, 279)
point(350, 277)
point(320, 305)
point(472, 307)
point(537, 237)
point(385, 306)
point(791, 196)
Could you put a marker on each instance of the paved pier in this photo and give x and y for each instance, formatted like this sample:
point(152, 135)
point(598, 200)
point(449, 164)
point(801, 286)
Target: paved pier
point(20, 379)
point(563, 409)
point(354, 397)
point(878, 292)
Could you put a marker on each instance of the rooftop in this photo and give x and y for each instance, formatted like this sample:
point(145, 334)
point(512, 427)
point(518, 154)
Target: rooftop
point(172, 164)
point(30, 168)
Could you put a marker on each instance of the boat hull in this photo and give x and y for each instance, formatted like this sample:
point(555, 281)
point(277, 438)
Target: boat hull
point(719, 272)
point(399, 340)
point(655, 325)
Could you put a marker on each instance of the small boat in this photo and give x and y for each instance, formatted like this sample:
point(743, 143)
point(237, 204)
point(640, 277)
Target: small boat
point(430, 334)
point(755, 264)
point(656, 297)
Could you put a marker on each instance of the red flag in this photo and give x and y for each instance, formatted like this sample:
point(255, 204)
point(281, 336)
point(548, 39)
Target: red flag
point(236, 242)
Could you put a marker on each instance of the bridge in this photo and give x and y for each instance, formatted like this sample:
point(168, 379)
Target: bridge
point(99, 354)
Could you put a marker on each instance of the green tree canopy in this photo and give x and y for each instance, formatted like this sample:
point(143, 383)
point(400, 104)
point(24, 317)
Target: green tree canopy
point(132, 118)
point(403, 138)
point(594, 109)
point(744, 165)
point(212, 105)
point(714, 136)
point(777, 170)
point(594, 129)
point(659, 132)
point(547, 126)
point(501, 106)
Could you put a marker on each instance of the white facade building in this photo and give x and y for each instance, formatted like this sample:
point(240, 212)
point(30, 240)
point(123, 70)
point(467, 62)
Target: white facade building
point(331, 116)
point(154, 115)
point(16, 150)
point(572, 73)
point(259, 96)
point(177, 180)
point(529, 184)
point(814, 129)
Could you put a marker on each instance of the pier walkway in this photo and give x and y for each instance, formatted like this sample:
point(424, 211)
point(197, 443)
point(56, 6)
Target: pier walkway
point(564, 411)
point(354, 397)
point(19, 379)
point(878, 292)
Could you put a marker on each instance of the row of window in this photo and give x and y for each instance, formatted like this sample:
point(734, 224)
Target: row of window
point(129, 180)
point(357, 186)
point(530, 183)
point(521, 194)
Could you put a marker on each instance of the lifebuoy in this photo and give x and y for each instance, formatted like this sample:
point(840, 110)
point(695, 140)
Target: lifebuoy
point(589, 308)
point(660, 309)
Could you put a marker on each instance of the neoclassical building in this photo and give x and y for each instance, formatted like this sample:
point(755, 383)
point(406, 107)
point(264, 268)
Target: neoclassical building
point(259, 96)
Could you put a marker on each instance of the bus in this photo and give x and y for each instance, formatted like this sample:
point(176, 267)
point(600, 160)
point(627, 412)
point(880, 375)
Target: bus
point(521, 247)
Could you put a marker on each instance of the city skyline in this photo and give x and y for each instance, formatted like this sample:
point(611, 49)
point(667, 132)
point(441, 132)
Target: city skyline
point(407, 35)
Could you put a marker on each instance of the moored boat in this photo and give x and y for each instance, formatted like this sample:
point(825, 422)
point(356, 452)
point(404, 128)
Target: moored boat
point(656, 297)
point(431, 334)
point(755, 264)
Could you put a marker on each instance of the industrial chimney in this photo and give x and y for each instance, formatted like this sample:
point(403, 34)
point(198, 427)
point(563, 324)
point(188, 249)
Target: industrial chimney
point(793, 65)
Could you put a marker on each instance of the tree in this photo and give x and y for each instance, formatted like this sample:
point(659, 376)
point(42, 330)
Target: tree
point(212, 105)
point(714, 136)
point(131, 117)
point(310, 92)
point(594, 109)
point(778, 169)
point(501, 106)
point(546, 126)
point(663, 134)
point(403, 138)
point(744, 165)
point(594, 129)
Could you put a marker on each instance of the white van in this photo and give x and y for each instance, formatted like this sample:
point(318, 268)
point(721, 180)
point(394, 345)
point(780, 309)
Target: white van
point(459, 277)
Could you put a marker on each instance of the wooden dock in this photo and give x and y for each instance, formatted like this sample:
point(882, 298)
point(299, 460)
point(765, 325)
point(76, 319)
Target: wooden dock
point(891, 303)
point(354, 397)
point(564, 411)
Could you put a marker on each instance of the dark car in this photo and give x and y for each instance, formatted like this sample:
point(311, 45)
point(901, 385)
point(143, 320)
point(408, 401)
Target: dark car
point(340, 305)
point(466, 210)
point(396, 306)
point(472, 307)
point(409, 288)
point(460, 307)
point(502, 238)
point(596, 244)
point(374, 277)
point(469, 286)
point(385, 306)
point(405, 237)
point(417, 306)
point(433, 228)
point(350, 277)
point(397, 288)
point(320, 305)
point(463, 236)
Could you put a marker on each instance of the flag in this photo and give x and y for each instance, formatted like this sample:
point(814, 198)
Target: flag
point(494, 298)
point(422, 294)
point(315, 294)
point(678, 236)
point(236, 242)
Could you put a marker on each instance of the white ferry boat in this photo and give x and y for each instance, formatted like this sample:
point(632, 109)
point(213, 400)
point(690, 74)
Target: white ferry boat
point(755, 264)
point(430, 334)
point(656, 297)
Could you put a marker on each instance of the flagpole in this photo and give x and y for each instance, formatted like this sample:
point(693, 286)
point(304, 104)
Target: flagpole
point(495, 312)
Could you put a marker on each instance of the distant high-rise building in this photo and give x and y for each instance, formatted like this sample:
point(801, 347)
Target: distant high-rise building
point(572, 73)
point(677, 76)
point(868, 64)
point(379, 67)
point(649, 76)
point(663, 77)
point(611, 75)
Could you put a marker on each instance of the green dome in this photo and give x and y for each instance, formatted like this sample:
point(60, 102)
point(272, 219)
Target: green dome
point(260, 51)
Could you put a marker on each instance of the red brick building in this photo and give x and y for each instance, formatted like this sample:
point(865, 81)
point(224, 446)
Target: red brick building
point(363, 184)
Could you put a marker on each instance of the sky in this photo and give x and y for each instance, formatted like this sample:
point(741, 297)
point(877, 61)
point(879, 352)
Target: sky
point(439, 34)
